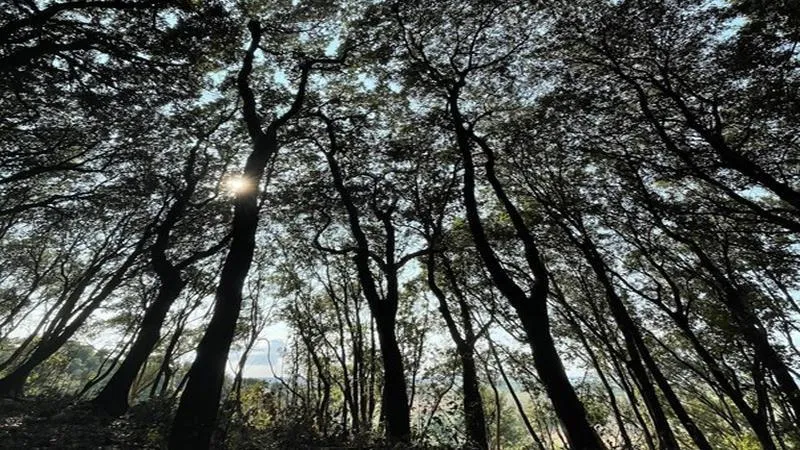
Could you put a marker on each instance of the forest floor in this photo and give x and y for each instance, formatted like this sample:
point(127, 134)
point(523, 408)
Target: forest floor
point(59, 423)
point(55, 423)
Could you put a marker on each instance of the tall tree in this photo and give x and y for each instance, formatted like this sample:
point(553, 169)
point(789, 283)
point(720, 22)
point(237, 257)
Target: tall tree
point(113, 398)
point(195, 418)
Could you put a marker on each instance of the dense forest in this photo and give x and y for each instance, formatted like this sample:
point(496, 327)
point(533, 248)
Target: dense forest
point(481, 224)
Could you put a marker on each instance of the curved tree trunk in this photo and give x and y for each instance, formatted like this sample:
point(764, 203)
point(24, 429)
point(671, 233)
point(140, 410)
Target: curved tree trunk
point(474, 415)
point(638, 352)
point(197, 411)
point(113, 399)
point(734, 297)
point(14, 383)
point(395, 408)
point(196, 416)
point(531, 309)
point(517, 402)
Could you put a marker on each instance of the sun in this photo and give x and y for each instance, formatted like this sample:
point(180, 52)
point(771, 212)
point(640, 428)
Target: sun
point(237, 184)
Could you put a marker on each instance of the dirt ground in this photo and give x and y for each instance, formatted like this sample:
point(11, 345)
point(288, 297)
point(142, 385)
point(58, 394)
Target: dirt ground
point(52, 423)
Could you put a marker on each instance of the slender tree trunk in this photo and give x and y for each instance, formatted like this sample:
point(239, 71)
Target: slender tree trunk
point(370, 409)
point(105, 369)
point(603, 379)
point(520, 409)
point(675, 403)
point(13, 383)
point(757, 422)
point(395, 408)
point(165, 371)
point(195, 418)
point(324, 382)
point(637, 350)
point(531, 309)
point(735, 299)
point(474, 415)
point(497, 406)
point(619, 367)
point(672, 399)
point(755, 333)
point(113, 399)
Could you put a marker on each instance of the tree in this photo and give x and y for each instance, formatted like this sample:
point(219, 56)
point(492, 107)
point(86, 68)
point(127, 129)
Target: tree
point(481, 224)
point(196, 413)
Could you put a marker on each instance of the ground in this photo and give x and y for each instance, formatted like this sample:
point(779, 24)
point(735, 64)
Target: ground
point(57, 423)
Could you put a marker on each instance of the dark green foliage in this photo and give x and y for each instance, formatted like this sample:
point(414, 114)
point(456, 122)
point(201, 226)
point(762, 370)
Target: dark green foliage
point(388, 224)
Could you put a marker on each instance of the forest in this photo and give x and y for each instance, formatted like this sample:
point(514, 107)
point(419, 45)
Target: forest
point(473, 224)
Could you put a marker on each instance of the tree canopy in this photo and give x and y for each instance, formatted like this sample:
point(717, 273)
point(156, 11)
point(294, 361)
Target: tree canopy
point(476, 224)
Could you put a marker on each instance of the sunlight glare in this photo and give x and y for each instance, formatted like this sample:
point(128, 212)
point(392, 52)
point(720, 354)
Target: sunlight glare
point(237, 184)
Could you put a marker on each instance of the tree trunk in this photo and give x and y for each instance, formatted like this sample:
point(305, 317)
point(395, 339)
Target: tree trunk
point(532, 310)
point(474, 415)
point(195, 418)
point(196, 415)
point(395, 397)
point(13, 383)
point(637, 350)
point(395, 408)
point(757, 422)
point(601, 374)
point(113, 399)
point(515, 397)
point(568, 407)
point(497, 405)
point(755, 333)
point(748, 323)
